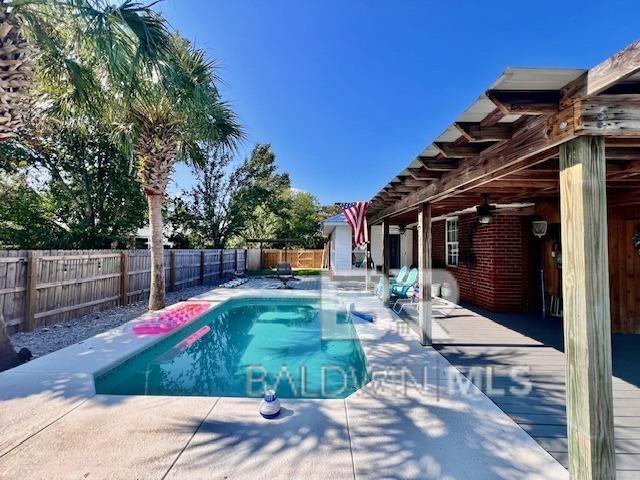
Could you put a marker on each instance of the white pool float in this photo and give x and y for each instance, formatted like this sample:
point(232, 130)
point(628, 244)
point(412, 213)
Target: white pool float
point(270, 405)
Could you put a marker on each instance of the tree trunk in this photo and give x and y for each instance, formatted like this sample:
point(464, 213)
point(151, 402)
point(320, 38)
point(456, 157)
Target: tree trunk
point(156, 243)
point(8, 356)
point(15, 74)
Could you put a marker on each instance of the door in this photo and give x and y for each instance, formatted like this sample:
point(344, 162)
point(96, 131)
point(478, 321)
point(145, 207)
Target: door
point(394, 251)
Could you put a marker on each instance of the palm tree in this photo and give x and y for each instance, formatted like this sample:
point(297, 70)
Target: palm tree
point(51, 35)
point(177, 116)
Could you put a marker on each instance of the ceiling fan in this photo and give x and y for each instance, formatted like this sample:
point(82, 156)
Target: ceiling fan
point(485, 211)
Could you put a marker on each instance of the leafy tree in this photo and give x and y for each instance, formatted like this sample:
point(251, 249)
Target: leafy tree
point(264, 223)
point(301, 218)
point(327, 211)
point(91, 186)
point(225, 200)
point(26, 219)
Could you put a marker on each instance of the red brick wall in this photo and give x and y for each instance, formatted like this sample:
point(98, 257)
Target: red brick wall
point(497, 281)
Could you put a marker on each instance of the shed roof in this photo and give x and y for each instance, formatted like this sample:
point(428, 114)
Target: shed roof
point(338, 219)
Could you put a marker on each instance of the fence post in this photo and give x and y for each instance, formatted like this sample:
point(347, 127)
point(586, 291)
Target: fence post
point(32, 286)
point(172, 271)
point(124, 278)
point(221, 262)
point(246, 254)
point(202, 254)
point(235, 261)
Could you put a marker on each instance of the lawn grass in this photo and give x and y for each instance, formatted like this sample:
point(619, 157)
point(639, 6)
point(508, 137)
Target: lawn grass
point(296, 271)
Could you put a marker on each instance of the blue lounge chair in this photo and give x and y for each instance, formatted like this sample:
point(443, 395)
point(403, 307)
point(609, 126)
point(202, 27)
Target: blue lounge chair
point(411, 301)
point(401, 289)
point(402, 274)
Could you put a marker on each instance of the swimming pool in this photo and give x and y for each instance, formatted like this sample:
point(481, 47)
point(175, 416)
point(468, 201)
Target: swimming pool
point(302, 347)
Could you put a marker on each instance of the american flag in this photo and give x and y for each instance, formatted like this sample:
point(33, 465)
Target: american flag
point(356, 215)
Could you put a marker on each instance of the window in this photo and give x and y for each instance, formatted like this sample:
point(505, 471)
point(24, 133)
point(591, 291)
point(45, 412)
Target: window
point(451, 242)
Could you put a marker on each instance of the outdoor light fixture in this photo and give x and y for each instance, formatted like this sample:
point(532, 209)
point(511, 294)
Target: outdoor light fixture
point(539, 228)
point(485, 211)
point(402, 229)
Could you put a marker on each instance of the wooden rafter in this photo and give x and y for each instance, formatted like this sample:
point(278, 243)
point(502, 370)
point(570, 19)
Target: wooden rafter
point(422, 173)
point(492, 119)
point(499, 152)
point(475, 132)
point(451, 150)
point(525, 102)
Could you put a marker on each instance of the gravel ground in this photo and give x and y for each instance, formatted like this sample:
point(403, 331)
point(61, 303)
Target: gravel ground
point(54, 337)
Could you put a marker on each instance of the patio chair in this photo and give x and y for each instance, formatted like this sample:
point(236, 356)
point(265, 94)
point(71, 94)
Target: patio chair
point(284, 273)
point(402, 303)
point(402, 275)
point(401, 289)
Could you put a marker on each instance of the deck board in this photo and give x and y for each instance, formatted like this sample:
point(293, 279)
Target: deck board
point(498, 342)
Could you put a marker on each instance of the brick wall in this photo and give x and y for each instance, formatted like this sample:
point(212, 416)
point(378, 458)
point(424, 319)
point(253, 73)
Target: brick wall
point(491, 271)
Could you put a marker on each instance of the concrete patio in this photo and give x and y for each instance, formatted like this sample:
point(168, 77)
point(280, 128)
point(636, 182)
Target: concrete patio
point(485, 341)
point(411, 421)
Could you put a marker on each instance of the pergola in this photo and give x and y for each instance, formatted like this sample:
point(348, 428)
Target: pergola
point(534, 136)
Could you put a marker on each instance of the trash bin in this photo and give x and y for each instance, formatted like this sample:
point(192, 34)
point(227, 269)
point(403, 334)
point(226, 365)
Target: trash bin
point(446, 291)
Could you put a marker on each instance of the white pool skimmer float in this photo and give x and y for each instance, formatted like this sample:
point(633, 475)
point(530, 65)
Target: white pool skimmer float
point(270, 405)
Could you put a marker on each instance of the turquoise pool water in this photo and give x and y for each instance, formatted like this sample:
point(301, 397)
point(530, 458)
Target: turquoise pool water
point(300, 347)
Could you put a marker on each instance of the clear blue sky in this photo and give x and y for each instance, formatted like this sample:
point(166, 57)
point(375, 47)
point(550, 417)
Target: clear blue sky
point(348, 92)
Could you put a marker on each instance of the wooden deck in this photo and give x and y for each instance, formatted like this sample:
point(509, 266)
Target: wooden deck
point(499, 342)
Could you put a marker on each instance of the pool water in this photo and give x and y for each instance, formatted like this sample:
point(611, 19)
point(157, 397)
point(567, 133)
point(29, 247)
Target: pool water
point(301, 347)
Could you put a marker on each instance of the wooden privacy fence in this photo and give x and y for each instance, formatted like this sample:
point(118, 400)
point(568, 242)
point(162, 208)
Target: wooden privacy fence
point(297, 258)
point(43, 287)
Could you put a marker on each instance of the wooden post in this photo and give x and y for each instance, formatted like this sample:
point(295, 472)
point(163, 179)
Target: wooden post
point(587, 328)
point(202, 266)
point(367, 271)
point(385, 261)
point(172, 271)
point(221, 262)
point(235, 260)
point(246, 255)
point(124, 278)
point(32, 290)
point(424, 273)
point(261, 264)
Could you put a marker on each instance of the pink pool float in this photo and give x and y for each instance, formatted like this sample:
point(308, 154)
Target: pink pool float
point(171, 319)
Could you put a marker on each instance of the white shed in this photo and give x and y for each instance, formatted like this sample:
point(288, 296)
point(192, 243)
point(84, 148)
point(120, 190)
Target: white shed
point(343, 258)
point(346, 260)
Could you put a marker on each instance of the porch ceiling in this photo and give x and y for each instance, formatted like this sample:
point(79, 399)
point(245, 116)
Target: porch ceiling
point(506, 143)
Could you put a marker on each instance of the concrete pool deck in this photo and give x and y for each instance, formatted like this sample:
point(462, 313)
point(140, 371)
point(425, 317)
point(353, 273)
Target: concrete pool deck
point(401, 425)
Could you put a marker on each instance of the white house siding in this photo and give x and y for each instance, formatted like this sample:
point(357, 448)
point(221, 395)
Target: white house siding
point(406, 248)
point(406, 245)
point(376, 244)
point(341, 249)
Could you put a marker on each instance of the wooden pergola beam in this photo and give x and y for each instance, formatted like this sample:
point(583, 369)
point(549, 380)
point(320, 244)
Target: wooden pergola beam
point(606, 74)
point(412, 182)
point(475, 132)
point(525, 102)
point(422, 173)
point(613, 115)
point(531, 144)
point(452, 150)
point(609, 115)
